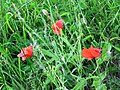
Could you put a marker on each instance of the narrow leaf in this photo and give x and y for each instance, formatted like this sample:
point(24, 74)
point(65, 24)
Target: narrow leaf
point(80, 85)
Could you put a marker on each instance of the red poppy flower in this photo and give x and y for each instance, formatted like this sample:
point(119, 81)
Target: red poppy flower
point(26, 52)
point(57, 27)
point(91, 52)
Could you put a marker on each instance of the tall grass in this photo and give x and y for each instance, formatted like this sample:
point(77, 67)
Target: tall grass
point(57, 62)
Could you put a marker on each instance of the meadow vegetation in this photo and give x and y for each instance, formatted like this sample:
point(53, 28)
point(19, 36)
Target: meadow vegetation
point(57, 63)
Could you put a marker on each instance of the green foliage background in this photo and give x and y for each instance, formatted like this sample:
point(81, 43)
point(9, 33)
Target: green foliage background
point(57, 62)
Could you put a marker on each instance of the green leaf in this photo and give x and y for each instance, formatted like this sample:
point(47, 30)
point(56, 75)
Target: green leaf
point(65, 13)
point(7, 20)
point(106, 52)
point(99, 61)
point(87, 37)
point(1, 50)
point(80, 85)
point(96, 83)
point(52, 78)
point(7, 87)
point(82, 4)
point(68, 44)
point(92, 77)
point(48, 53)
point(102, 75)
point(118, 49)
point(101, 87)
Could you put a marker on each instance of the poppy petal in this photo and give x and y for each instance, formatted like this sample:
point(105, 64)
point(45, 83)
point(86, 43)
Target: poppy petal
point(56, 27)
point(91, 52)
point(95, 52)
point(59, 23)
point(20, 55)
point(86, 53)
point(23, 58)
point(89, 59)
point(95, 49)
point(26, 52)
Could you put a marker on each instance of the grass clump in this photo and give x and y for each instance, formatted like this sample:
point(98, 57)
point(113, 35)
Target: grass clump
point(56, 62)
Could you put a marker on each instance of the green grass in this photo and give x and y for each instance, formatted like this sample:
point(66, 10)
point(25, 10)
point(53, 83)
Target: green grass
point(57, 63)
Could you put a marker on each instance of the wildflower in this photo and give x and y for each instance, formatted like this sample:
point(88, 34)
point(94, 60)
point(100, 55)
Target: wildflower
point(26, 52)
point(91, 53)
point(57, 27)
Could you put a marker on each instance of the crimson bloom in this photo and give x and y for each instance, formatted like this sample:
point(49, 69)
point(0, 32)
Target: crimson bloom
point(91, 53)
point(26, 52)
point(57, 27)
